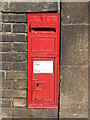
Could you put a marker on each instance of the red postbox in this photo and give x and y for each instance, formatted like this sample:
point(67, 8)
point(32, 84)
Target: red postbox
point(43, 59)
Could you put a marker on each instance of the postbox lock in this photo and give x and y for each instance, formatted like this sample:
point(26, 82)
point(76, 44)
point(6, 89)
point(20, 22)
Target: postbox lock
point(30, 28)
point(37, 85)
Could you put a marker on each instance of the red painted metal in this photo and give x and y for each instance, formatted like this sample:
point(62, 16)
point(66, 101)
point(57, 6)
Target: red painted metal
point(43, 45)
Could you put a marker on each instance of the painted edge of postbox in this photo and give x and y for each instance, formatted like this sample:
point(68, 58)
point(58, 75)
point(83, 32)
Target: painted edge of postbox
point(29, 102)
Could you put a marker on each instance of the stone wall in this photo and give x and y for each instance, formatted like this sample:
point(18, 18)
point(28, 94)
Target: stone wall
point(14, 60)
point(73, 60)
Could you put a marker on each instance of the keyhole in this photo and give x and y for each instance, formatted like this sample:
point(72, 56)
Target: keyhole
point(30, 29)
point(37, 85)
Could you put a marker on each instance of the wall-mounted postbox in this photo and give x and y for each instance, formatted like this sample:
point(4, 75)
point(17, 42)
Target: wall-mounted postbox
point(43, 59)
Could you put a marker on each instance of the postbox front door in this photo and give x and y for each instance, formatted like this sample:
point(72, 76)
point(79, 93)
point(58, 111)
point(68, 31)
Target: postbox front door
point(43, 60)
